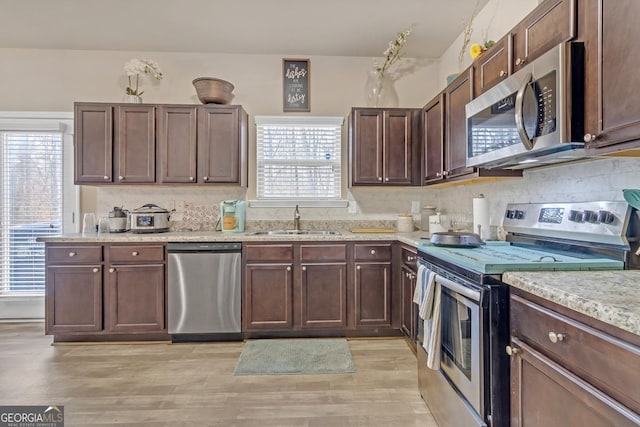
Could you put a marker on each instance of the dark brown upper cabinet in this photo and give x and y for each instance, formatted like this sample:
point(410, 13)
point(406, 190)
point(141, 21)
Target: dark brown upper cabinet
point(612, 111)
point(93, 148)
point(549, 24)
point(384, 146)
point(433, 127)
point(456, 97)
point(177, 144)
point(492, 66)
point(135, 144)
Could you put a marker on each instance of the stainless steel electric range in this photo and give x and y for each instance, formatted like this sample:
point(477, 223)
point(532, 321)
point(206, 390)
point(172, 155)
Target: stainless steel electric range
point(470, 386)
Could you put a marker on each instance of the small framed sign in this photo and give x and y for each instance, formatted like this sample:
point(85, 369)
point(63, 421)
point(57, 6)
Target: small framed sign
point(295, 84)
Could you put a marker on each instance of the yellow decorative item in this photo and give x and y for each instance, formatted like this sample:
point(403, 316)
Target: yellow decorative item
point(476, 50)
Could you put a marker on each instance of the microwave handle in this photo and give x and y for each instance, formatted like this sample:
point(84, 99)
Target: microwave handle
point(526, 141)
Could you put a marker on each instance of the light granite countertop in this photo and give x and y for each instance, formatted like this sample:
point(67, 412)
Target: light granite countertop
point(612, 297)
point(412, 239)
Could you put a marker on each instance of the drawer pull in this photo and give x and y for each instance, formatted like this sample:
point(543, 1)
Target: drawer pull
point(72, 254)
point(111, 270)
point(554, 337)
point(358, 267)
point(304, 268)
point(503, 73)
point(512, 351)
point(135, 253)
point(373, 251)
point(411, 258)
point(95, 270)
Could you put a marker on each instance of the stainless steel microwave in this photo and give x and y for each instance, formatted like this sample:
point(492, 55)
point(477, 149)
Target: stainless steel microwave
point(534, 117)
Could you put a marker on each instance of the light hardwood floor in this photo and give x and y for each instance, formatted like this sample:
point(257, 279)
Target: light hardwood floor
point(193, 385)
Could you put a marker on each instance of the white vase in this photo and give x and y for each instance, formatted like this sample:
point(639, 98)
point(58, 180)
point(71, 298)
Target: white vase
point(379, 90)
point(133, 99)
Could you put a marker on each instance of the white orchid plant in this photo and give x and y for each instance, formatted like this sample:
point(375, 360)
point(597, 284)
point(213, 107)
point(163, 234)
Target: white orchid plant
point(136, 68)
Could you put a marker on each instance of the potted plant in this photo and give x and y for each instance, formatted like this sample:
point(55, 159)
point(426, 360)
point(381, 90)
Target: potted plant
point(134, 68)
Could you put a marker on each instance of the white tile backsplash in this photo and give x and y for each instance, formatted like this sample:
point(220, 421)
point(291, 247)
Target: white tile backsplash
point(600, 179)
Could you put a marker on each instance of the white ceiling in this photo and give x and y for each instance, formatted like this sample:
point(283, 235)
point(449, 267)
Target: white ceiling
point(279, 27)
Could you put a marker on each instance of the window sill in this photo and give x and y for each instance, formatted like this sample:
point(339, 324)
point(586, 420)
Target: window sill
point(289, 203)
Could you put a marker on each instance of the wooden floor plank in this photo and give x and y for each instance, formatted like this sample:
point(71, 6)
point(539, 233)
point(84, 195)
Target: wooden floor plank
point(186, 384)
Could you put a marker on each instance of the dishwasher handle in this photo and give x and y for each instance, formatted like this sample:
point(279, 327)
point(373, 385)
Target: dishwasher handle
point(226, 247)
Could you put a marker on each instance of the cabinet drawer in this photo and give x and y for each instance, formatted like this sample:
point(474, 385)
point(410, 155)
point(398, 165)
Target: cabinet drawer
point(318, 253)
point(137, 253)
point(268, 252)
point(601, 359)
point(74, 254)
point(409, 258)
point(372, 252)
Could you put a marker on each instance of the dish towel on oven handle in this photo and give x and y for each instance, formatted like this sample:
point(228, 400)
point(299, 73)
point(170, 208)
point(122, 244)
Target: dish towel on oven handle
point(427, 296)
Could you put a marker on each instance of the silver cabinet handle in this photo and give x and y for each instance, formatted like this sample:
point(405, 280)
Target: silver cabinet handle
point(555, 337)
point(111, 270)
point(105, 177)
point(191, 178)
point(72, 254)
point(358, 267)
point(121, 178)
point(95, 270)
point(373, 251)
point(511, 351)
point(386, 179)
point(206, 178)
point(288, 268)
point(590, 137)
point(503, 73)
point(135, 253)
point(520, 61)
point(379, 178)
point(304, 268)
point(411, 258)
point(438, 174)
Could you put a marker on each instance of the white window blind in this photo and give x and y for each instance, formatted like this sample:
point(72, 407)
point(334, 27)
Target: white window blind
point(298, 158)
point(31, 203)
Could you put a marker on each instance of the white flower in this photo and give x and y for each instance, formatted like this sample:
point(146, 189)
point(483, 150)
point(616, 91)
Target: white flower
point(392, 53)
point(137, 67)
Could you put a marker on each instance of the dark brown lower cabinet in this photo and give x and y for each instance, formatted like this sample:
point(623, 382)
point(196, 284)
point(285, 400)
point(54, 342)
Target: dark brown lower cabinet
point(323, 295)
point(409, 309)
point(73, 299)
point(268, 296)
point(373, 294)
point(568, 369)
point(136, 298)
point(543, 393)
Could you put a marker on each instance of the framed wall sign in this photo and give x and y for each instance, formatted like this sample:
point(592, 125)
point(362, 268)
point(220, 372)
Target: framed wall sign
point(295, 85)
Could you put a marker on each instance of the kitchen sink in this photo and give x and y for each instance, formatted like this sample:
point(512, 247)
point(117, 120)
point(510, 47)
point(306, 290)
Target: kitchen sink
point(295, 233)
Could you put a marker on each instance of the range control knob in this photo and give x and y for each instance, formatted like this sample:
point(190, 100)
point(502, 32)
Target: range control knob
point(519, 214)
point(606, 217)
point(590, 216)
point(575, 216)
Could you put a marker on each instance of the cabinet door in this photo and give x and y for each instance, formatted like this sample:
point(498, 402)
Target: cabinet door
point(492, 66)
point(457, 96)
point(550, 24)
point(268, 296)
point(398, 150)
point(366, 146)
point(177, 144)
point(135, 146)
point(73, 299)
point(409, 309)
point(218, 145)
point(136, 298)
point(323, 295)
point(543, 393)
point(612, 78)
point(93, 143)
point(373, 294)
point(433, 120)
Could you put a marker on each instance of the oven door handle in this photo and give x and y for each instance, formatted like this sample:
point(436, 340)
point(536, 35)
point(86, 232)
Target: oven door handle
point(519, 111)
point(472, 294)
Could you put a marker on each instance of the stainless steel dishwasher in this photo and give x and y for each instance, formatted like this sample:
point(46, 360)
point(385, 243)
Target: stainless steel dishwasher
point(204, 291)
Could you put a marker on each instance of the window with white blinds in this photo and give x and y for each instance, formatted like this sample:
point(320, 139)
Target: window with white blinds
point(298, 158)
point(31, 203)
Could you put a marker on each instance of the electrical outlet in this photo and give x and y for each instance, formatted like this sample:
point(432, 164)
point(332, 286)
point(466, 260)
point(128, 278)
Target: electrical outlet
point(353, 207)
point(415, 206)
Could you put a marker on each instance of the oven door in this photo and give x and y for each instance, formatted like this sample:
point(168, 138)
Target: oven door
point(460, 360)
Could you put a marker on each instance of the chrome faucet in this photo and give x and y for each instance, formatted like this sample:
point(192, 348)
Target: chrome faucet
point(296, 219)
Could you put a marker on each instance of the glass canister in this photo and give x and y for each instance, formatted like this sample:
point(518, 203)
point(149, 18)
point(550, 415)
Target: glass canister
point(427, 211)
